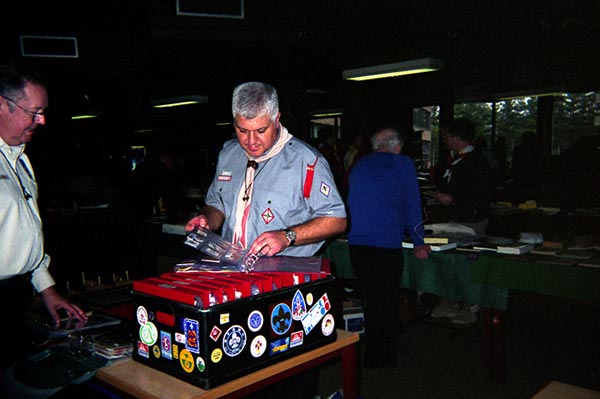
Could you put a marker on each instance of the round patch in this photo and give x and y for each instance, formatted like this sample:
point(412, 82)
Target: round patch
point(328, 324)
point(200, 364)
point(255, 321)
point(142, 315)
point(234, 340)
point(186, 360)
point(258, 346)
point(281, 318)
point(309, 299)
point(216, 355)
point(148, 333)
point(156, 351)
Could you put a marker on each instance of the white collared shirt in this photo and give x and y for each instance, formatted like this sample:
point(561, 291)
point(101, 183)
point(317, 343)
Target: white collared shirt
point(21, 237)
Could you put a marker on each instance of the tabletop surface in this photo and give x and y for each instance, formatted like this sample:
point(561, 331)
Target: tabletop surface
point(142, 381)
point(558, 390)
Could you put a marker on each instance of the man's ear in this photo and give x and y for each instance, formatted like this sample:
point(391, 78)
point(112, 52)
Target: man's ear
point(276, 123)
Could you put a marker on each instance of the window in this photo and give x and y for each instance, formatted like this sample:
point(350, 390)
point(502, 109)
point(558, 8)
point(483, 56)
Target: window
point(574, 115)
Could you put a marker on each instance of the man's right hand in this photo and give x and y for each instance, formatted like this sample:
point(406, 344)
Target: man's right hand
point(197, 221)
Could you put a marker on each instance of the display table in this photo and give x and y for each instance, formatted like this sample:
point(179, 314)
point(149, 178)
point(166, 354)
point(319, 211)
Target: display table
point(486, 279)
point(558, 390)
point(141, 381)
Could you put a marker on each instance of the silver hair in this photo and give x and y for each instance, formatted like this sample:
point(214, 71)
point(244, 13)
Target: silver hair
point(386, 138)
point(254, 99)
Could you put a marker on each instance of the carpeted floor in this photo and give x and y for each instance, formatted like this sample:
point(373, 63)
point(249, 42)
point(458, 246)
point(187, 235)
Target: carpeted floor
point(546, 339)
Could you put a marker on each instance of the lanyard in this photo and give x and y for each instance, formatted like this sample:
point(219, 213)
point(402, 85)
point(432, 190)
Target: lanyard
point(26, 194)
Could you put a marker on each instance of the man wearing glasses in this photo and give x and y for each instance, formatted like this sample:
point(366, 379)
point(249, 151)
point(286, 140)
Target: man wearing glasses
point(23, 101)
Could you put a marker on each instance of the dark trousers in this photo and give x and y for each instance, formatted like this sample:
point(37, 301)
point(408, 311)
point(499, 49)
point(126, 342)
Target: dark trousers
point(379, 274)
point(15, 293)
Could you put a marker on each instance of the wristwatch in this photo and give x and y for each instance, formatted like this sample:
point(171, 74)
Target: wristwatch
point(291, 236)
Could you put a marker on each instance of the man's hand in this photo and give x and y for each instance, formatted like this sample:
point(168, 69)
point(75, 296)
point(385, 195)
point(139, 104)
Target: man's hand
point(54, 302)
point(443, 198)
point(196, 222)
point(422, 252)
point(270, 243)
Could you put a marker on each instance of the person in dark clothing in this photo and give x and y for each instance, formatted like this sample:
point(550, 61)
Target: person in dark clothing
point(464, 183)
point(526, 169)
point(464, 179)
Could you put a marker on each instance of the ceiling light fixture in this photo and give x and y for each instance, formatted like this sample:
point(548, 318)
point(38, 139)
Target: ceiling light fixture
point(421, 65)
point(83, 116)
point(179, 101)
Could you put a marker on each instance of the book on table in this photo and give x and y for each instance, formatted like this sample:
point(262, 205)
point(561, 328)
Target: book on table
point(491, 243)
point(517, 248)
point(434, 247)
point(436, 239)
point(577, 254)
point(591, 262)
point(485, 246)
point(546, 251)
point(555, 260)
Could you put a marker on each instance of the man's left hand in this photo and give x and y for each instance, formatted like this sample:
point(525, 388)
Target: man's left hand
point(422, 252)
point(54, 301)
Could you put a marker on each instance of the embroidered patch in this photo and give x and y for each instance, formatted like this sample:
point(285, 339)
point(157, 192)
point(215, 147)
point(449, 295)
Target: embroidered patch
point(186, 360)
point(223, 178)
point(255, 321)
point(268, 216)
point(216, 355)
point(148, 333)
point(200, 364)
point(298, 305)
point(142, 315)
point(325, 189)
point(192, 334)
point(224, 318)
point(281, 318)
point(281, 345)
point(143, 349)
point(215, 333)
point(234, 340)
point(328, 324)
point(179, 337)
point(165, 345)
point(258, 346)
point(296, 339)
point(309, 299)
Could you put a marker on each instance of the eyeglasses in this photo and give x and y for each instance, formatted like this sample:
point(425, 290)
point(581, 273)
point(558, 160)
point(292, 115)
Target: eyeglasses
point(35, 116)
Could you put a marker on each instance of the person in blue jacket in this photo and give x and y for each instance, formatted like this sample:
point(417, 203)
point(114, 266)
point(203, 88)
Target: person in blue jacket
point(384, 205)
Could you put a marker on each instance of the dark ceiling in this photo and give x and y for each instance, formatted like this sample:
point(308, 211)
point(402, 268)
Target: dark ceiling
point(131, 52)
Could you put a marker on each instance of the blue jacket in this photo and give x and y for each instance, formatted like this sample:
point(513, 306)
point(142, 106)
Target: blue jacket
point(384, 201)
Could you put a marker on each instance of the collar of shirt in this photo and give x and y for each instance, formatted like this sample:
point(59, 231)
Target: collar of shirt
point(12, 153)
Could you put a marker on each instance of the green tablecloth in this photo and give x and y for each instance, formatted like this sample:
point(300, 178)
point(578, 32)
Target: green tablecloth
point(449, 274)
point(481, 278)
point(444, 273)
point(527, 273)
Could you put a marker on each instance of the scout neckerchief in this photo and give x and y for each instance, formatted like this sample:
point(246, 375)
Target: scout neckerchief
point(454, 158)
point(244, 197)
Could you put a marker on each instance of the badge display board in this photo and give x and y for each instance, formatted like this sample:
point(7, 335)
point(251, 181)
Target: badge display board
point(187, 329)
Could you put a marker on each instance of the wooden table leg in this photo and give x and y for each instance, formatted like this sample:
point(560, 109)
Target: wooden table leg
point(499, 345)
point(349, 372)
point(495, 348)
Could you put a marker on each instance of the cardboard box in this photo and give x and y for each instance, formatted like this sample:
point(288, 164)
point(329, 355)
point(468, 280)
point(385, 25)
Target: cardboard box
point(177, 333)
point(354, 317)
